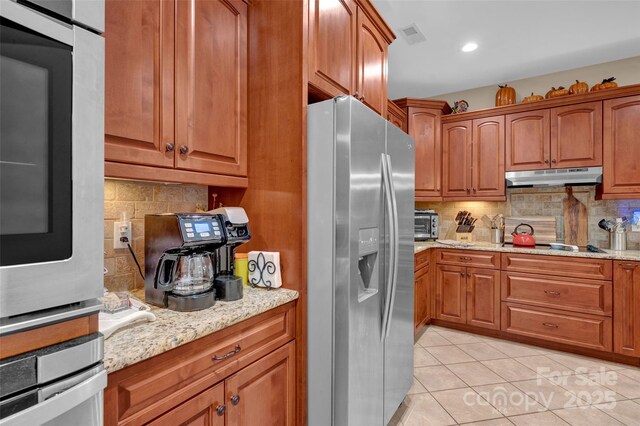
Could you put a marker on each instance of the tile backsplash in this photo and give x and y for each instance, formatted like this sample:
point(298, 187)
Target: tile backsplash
point(139, 199)
point(547, 201)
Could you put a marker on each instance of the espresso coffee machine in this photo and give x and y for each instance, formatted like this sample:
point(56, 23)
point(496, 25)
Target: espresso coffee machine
point(181, 259)
point(227, 285)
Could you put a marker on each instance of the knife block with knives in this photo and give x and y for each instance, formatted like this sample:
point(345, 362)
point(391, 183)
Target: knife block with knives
point(466, 224)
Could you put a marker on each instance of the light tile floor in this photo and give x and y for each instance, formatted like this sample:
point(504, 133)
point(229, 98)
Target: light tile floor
point(464, 378)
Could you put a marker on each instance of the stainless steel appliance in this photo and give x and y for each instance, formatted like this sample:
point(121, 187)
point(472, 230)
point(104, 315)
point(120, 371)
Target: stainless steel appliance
point(172, 240)
point(425, 225)
point(51, 160)
point(229, 286)
point(360, 205)
point(57, 385)
point(555, 177)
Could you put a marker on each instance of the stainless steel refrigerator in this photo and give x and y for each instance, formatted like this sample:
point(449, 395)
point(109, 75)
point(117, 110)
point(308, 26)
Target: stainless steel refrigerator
point(360, 204)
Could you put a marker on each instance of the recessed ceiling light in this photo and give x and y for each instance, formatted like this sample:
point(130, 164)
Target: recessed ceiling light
point(469, 47)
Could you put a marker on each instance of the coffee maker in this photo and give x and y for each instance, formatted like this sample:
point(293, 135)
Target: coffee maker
point(181, 259)
point(228, 286)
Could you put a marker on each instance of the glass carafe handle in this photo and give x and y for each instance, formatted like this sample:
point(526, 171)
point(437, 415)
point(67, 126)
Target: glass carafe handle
point(166, 271)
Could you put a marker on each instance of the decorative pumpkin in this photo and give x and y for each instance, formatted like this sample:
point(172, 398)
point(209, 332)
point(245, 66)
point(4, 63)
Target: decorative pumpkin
point(578, 88)
point(554, 93)
point(607, 83)
point(532, 98)
point(505, 96)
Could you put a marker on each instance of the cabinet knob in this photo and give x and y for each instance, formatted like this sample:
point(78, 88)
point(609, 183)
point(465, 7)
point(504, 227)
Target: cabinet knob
point(362, 98)
point(220, 410)
point(468, 275)
point(462, 274)
point(169, 147)
point(474, 190)
point(468, 190)
point(438, 189)
point(356, 95)
point(235, 399)
point(184, 149)
point(546, 161)
point(554, 161)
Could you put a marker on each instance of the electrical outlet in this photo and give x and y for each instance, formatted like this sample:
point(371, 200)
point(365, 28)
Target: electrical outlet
point(121, 229)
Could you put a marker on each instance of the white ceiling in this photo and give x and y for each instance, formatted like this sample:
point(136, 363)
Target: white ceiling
point(517, 39)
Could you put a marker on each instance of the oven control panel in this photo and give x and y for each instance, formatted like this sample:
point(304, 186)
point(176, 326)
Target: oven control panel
point(205, 229)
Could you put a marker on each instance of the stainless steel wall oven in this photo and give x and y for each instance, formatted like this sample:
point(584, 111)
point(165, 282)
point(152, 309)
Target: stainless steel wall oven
point(51, 160)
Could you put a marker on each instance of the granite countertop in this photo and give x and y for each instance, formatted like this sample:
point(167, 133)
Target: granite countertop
point(171, 329)
point(631, 255)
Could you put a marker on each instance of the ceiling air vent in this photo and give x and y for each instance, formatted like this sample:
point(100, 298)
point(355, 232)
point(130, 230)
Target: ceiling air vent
point(413, 34)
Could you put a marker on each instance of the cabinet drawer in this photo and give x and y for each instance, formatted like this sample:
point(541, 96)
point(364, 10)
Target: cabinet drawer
point(478, 259)
point(570, 294)
point(587, 331)
point(421, 259)
point(151, 387)
point(579, 267)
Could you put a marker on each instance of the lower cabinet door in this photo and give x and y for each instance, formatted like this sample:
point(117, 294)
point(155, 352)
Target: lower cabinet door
point(626, 303)
point(264, 392)
point(205, 409)
point(422, 298)
point(483, 298)
point(451, 297)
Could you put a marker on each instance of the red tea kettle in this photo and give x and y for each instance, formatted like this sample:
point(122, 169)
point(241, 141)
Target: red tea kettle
point(523, 238)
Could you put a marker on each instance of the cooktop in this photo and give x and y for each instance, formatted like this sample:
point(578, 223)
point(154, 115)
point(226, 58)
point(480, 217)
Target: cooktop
point(581, 249)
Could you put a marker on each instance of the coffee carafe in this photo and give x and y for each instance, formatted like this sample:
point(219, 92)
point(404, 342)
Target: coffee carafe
point(228, 286)
point(181, 259)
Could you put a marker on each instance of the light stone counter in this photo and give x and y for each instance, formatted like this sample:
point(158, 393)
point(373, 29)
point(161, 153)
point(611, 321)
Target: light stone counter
point(630, 255)
point(171, 329)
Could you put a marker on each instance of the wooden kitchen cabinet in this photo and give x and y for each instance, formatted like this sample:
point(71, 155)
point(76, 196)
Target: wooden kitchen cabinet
point(206, 408)
point(264, 392)
point(483, 298)
point(195, 48)
point(348, 45)
point(139, 82)
point(332, 45)
point(423, 125)
point(626, 308)
point(621, 159)
point(528, 140)
point(576, 135)
point(451, 295)
point(396, 116)
point(422, 297)
point(456, 159)
point(473, 159)
point(372, 65)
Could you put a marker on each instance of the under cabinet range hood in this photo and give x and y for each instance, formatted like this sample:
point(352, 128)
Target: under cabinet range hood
point(555, 177)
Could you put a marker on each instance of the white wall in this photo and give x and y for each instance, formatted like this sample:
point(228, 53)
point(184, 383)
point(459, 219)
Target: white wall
point(626, 71)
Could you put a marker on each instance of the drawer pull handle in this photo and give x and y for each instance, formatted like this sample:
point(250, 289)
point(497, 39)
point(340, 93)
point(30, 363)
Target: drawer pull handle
point(227, 355)
point(552, 293)
point(220, 409)
point(550, 325)
point(628, 265)
point(466, 258)
point(235, 399)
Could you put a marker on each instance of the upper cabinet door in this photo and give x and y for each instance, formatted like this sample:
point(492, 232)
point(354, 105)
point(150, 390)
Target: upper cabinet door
point(456, 158)
point(332, 45)
point(211, 80)
point(576, 135)
point(424, 128)
point(621, 148)
point(139, 60)
point(488, 157)
point(372, 65)
point(527, 140)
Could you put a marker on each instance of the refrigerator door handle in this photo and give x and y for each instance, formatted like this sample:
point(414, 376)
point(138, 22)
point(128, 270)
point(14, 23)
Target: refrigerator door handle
point(395, 241)
point(392, 237)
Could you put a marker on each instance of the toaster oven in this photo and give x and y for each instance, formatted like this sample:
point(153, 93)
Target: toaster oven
point(426, 225)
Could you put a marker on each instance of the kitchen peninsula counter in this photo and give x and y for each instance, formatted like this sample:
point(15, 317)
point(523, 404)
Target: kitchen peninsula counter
point(171, 329)
point(628, 255)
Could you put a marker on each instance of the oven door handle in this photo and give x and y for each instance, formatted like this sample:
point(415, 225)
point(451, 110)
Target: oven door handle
point(60, 403)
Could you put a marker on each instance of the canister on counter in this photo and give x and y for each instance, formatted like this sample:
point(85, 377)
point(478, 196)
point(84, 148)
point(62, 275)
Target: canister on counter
point(241, 260)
